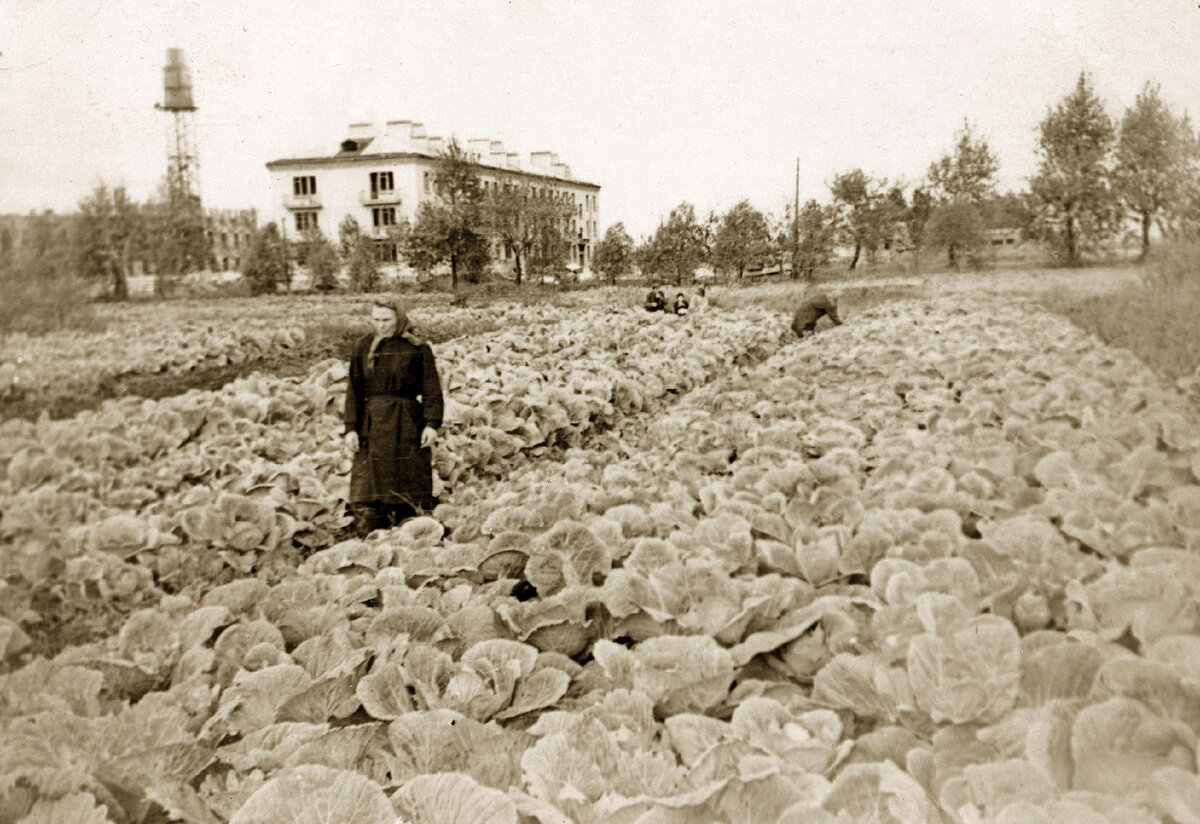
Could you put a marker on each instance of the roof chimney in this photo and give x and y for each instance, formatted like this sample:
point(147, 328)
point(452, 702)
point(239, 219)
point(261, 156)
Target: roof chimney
point(497, 156)
point(361, 131)
point(397, 128)
point(481, 148)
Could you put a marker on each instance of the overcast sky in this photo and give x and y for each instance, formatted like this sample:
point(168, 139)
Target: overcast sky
point(658, 102)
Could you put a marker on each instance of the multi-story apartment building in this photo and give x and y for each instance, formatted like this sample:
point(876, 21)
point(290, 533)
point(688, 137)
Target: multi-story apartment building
point(230, 233)
point(380, 176)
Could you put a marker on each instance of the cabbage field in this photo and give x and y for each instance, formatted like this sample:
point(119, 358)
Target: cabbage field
point(938, 564)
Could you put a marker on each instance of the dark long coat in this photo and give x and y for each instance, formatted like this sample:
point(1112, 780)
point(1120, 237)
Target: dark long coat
point(388, 403)
point(810, 311)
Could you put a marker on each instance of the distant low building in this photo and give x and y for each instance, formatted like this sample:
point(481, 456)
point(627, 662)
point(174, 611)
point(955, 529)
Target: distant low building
point(379, 176)
point(1002, 237)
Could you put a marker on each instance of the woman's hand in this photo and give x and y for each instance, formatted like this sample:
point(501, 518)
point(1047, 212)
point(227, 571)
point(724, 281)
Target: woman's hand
point(428, 437)
point(351, 439)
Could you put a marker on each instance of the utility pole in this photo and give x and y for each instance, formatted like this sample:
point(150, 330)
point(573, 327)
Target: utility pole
point(796, 220)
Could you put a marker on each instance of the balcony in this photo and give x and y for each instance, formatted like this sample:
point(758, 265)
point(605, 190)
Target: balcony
point(379, 197)
point(291, 201)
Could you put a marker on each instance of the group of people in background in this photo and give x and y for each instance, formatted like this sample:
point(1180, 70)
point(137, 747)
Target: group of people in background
point(656, 301)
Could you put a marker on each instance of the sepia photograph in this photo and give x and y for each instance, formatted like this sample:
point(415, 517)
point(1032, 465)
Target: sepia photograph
point(610, 412)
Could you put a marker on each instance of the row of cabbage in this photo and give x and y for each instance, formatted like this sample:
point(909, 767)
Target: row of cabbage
point(942, 571)
point(104, 512)
point(177, 338)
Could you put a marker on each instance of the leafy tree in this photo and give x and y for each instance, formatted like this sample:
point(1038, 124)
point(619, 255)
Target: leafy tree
point(423, 246)
point(865, 217)
point(510, 212)
point(816, 233)
point(321, 258)
point(1072, 183)
point(648, 258)
point(1152, 161)
point(960, 182)
point(176, 222)
point(267, 265)
point(363, 265)
point(530, 227)
point(956, 227)
point(107, 227)
point(38, 279)
point(1011, 210)
point(615, 253)
point(680, 244)
point(550, 248)
point(967, 173)
point(742, 236)
point(349, 233)
point(917, 218)
point(450, 227)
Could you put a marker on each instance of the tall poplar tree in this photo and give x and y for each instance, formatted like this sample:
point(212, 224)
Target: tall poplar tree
point(451, 227)
point(1072, 184)
point(742, 237)
point(1151, 172)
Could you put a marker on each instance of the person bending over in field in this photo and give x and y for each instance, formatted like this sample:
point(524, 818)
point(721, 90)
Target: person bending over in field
point(680, 306)
point(815, 305)
point(392, 414)
point(656, 301)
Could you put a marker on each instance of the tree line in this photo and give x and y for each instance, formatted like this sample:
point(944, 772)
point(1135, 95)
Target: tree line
point(108, 237)
point(1094, 176)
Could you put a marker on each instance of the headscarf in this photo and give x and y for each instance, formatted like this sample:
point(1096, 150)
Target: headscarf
point(398, 306)
point(404, 327)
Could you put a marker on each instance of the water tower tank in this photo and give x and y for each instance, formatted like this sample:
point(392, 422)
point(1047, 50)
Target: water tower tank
point(177, 83)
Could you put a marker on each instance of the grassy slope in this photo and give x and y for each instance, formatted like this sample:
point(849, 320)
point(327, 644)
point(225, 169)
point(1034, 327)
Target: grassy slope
point(1156, 316)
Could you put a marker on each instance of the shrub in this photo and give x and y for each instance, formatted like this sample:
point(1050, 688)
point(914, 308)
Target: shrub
point(1155, 319)
point(321, 258)
point(1174, 265)
point(43, 294)
point(267, 266)
point(364, 265)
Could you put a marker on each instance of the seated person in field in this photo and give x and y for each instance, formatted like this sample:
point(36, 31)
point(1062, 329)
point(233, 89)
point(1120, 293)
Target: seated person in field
point(680, 306)
point(815, 304)
point(656, 301)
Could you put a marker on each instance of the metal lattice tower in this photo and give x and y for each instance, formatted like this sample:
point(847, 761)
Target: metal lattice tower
point(183, 160)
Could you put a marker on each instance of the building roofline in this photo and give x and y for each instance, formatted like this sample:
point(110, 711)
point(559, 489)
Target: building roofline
point(291, 162)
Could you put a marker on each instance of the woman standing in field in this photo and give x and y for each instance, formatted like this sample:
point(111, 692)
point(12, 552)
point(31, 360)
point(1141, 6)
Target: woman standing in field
point(393, 410)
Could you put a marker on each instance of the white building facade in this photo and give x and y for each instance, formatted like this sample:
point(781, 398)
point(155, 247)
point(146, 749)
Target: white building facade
point(380, 175)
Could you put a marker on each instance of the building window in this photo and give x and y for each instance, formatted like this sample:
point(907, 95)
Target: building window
point(384, 216)
point(304, 185)
point(306, 221)
point(382, 182)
